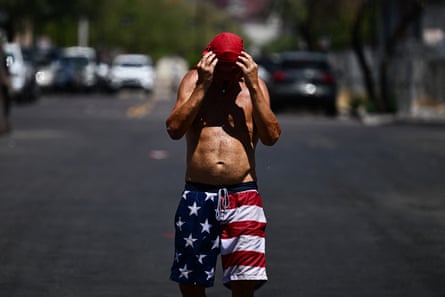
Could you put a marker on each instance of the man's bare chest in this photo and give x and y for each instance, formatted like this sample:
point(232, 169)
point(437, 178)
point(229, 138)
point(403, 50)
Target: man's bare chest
point(220, 112)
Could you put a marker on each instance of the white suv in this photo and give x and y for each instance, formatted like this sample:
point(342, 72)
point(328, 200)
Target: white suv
point(131, 71)
point(22, 76)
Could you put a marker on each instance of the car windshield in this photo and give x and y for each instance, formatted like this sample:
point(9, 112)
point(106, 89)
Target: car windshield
point(131, 64)
point(304, 64)
point(28, 55)
point(74, 61)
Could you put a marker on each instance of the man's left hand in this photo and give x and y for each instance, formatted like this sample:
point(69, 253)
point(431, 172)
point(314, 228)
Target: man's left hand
point(249, 68)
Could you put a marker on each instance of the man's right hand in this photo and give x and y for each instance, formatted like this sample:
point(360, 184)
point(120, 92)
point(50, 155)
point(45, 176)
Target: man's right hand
point(206, 67)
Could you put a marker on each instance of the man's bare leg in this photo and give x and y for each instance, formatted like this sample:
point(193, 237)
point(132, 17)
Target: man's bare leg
point(243, 288)
point(192, 290)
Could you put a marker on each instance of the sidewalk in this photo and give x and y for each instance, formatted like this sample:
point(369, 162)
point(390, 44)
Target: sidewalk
point(421, 116)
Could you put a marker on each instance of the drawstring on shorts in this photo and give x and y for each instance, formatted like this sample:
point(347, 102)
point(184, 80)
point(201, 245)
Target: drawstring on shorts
point(223, 203)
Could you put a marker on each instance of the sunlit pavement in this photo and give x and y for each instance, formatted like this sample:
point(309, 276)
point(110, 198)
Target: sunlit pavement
point(89, 186)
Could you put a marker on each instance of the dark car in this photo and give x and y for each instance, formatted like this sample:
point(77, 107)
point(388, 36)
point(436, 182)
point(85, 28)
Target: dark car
point(76, 69)
point(303, 79)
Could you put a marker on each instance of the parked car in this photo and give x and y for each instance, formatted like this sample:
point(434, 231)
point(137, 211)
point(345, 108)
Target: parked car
point(22, 74)
point(46, 65)
point(102, 71)
point(303, 78)
point(76, 69)
point(132, 71)
point(266, 66)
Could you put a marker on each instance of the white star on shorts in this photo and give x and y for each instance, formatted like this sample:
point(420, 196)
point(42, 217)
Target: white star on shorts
point(201, 257)
point(206, 226)
point(194, 209)
point(189, 240)
point(210, 196)
point(184, 272)
point(215, 243)
point(179, 224)
point(210, 273)
point(177, 255)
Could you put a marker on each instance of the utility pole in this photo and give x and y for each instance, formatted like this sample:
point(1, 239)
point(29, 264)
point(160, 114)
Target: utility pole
point(83, 32)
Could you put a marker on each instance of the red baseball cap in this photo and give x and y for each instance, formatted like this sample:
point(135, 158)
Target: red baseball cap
point(226, 46)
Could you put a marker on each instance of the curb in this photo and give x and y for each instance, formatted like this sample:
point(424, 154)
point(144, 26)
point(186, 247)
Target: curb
point(371, 119)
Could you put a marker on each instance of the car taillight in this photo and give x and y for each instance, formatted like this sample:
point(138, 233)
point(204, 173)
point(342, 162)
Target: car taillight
point(279, 76)
point(327, 78)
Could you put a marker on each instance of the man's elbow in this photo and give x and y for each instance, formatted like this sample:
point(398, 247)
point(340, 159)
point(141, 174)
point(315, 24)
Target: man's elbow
point(174, 132)
point(270, 141)
point(174, 135)
point(272, 138)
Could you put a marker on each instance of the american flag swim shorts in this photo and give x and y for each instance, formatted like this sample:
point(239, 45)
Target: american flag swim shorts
point(211, 220)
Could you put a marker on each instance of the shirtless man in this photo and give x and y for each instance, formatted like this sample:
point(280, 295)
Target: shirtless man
point(222, 108)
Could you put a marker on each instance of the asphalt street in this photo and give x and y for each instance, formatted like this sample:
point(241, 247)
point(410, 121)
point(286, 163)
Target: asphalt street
point(89, 185)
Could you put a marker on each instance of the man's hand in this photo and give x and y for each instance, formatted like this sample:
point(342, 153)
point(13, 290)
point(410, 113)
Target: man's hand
point(267, 124)
point(206, 68)
point(249, 68)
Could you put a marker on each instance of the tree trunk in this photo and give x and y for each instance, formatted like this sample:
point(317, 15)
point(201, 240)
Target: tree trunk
point(357, 45)
point(413, 10)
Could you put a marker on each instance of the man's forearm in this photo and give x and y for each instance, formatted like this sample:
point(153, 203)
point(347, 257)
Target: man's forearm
point(267, 124)
point(184, 114)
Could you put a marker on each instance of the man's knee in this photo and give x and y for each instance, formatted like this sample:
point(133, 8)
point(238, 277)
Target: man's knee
point(244, 288)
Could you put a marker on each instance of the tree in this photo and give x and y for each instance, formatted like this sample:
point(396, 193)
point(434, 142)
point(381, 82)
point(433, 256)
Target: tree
point(316, 24)
point(158, 27)
point(410, 11)
point(155, 27)
point(40, 12)
point(391, 35)
point(357, 46)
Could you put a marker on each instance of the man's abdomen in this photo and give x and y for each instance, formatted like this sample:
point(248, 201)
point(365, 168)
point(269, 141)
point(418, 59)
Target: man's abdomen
point(220, 161)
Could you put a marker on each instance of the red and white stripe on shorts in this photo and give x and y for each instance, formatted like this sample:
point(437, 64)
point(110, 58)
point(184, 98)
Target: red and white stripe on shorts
point(243, 227)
